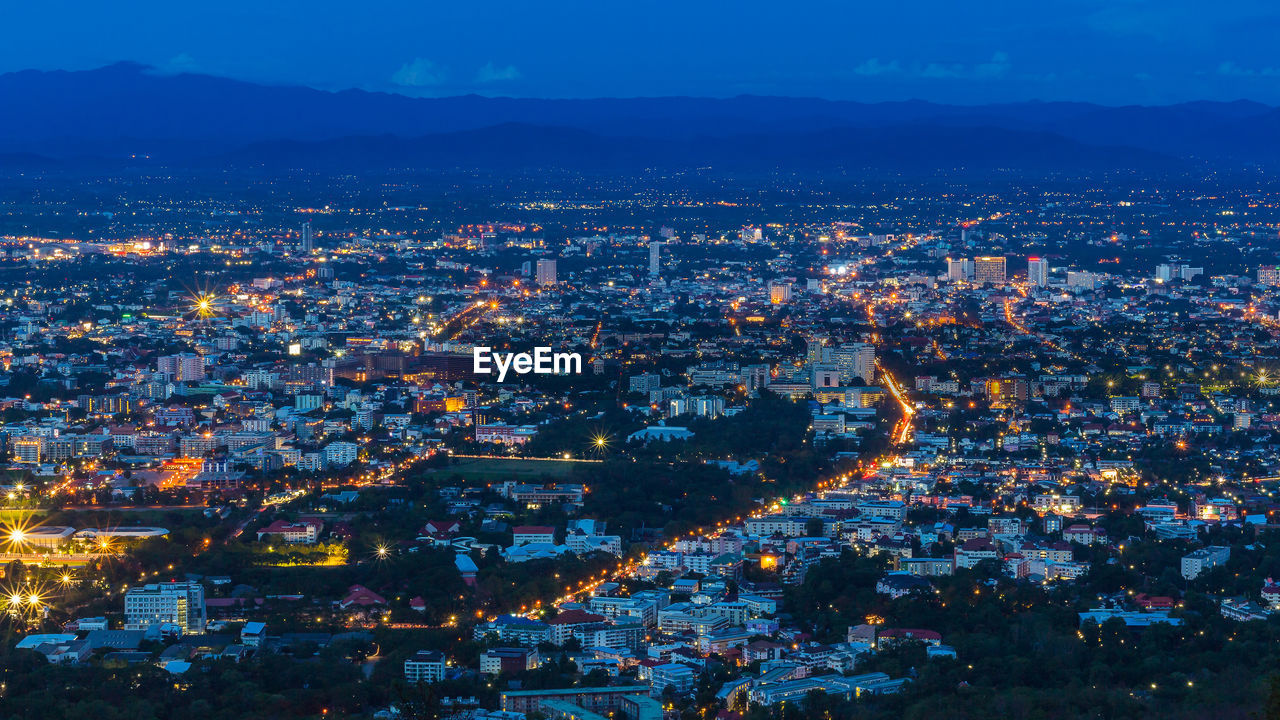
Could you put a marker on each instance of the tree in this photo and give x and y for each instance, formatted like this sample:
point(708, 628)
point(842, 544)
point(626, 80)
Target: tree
point(1273, 699)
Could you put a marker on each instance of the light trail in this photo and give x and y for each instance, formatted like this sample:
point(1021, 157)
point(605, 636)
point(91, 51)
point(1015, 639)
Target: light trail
point(901, 431)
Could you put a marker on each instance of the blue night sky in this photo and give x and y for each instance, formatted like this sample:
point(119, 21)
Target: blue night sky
point(1109, 51)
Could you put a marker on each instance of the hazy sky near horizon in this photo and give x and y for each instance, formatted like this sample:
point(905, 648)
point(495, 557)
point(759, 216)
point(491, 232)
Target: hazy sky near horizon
point(1109, 51)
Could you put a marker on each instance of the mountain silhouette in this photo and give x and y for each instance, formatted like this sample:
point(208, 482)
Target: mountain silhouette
point(126, 110)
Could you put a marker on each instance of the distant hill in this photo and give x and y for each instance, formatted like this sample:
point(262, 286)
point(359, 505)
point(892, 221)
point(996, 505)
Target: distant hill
point(127, 109)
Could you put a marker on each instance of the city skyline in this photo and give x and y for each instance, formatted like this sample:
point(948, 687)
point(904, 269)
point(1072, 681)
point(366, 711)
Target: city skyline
point(422, 361)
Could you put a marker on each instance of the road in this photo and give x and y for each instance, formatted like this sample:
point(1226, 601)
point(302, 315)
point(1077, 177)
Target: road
point(902, 430)
point(78, 559)
point(901, 436)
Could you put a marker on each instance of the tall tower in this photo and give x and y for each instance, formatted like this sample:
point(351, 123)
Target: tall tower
point(1037, 271)
point(655, 259)
point(817, 351)
point(989, 270)
point(308, 244)
point(545, 272)
point(958, 270)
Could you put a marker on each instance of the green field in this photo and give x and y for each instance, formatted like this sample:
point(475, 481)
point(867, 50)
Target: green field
point(499, 469)
point(13, 516)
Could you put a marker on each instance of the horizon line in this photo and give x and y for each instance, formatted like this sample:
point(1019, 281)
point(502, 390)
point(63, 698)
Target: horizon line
point(157, 71)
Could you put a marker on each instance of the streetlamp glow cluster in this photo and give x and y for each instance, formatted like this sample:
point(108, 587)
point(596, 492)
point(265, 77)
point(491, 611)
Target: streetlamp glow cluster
point(204, 305)
point(15, 536)
point(23, 605)
point(600, 442)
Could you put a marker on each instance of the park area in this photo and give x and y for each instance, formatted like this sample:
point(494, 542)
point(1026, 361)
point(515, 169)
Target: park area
point(500, 469)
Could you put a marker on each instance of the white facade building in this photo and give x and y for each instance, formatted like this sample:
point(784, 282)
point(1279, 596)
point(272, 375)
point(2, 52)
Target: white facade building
point(179, 603)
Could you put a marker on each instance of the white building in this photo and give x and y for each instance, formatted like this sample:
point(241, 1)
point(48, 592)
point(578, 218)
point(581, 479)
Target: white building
point(1060, 504)
point(785, 525)
point(1203, 559)
point(644, 610)
point(959, 269)
point(505, 434)
point(426, 666)
point(655, 259)
point(306, 532)
point(893, 509)
point(340, 454)
point(311, 462)
point(546, 272)
point(1037, 271)
point(581, 543)
point(645, 382)
point(855, 360)
point(178, 603)
point(671, 675)
point(182, 367)
point(526, 534)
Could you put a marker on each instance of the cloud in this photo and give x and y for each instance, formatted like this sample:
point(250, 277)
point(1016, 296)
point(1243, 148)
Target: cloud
point(491, 73)
point(997, 66)
point(873, 66)
point(1231, 69)
point(938, 71)
point(420, 73)
point(178, 64)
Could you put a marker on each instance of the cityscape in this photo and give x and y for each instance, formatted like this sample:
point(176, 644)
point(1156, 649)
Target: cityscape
point(918, 415)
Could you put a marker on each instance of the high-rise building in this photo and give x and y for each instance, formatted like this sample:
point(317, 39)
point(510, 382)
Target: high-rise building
point(817, 350)
point(28, 449)
point(1083, 280)
point(645, 383)
point(341, 454)
point(779, 292)
point(178, 603)
point(755, 377)
point(655, 259)
point(855, 360)
point(989, 270)
point(1185, 273)
point(183, 367)
point(960, 269)
point(708, 406)
point(825, 375)
point(308, 243)
point(1037, 271)
point(1269, 274)
point(546, 272)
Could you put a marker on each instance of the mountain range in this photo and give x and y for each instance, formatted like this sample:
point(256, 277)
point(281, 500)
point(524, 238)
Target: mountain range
point(126, 110)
